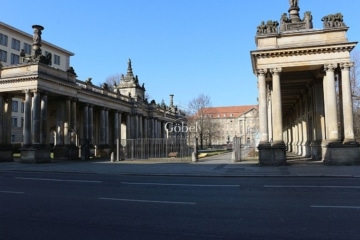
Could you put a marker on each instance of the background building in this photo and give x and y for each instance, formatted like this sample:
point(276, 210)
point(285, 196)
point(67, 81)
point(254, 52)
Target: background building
point(233, 121)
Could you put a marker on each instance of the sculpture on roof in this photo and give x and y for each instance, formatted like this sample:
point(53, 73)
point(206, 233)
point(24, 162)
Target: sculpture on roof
point(288, 22)
point(294, 3)
point(37, 34)
point(333, 20)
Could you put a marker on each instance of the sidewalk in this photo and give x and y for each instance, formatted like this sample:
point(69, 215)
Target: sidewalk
point(211, 166)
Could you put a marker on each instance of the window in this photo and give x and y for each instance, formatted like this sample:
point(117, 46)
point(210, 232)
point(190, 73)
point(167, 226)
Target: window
point(22, 122)
point(56, 59)
point(27, 48)
point(14, 122)
point(13, 138)
point(15, 105)
point(3, 56)
point(15, 44)
point(15, 59)
point(22, 107)
point(3, 39)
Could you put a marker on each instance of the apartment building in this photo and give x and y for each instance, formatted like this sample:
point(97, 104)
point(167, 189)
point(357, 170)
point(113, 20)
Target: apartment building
point(234, 121)
point(13, 42)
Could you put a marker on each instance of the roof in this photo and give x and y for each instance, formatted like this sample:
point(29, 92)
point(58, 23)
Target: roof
point(230, 111)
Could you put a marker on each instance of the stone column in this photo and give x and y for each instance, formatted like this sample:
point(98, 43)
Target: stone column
point(43, 125)
point(152, 127)
point(36, 101)
point(27, 119)
point(120, 119)
point(85, 125)
point(347, 103)
point(67, 127)
point(263, 123)
point(116, 126)
point(107, 127)
point(277, 108)
point(91, 124)
point(146, 128)
point(73, 123)
point(330, 104)
point(141, 130)
point(128, 126)
point(102, 127)
point(117, 123)
point(60, 123)
point(136, 126)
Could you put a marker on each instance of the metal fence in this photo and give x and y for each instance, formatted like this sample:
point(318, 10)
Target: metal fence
point(245, 149)
point(147, 148)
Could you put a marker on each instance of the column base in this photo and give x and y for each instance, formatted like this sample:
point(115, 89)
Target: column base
point(35, 154)
point(272, 155)
point(6, 153)
point(316, 151)
point(338, 153)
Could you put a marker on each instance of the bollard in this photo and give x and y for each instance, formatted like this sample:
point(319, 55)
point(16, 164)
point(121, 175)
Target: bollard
point(112, 159)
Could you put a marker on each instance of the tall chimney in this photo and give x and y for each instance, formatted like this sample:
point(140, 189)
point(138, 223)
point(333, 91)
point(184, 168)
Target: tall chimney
point(171, 100)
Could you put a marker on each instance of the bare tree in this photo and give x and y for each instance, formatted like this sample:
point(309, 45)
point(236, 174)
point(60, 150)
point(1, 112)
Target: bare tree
point(355, 85)
point(199, 117)
point(112, 81)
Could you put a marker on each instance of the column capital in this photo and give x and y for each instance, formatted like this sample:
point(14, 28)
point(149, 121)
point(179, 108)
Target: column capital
point(276, 70)
point(330, 67)
point(346, 65)
point(261, 71)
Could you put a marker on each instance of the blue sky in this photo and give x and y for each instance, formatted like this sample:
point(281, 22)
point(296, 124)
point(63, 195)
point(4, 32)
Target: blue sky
point(180, 47)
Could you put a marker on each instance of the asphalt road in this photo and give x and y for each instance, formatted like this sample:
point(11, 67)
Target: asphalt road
point(103, 206)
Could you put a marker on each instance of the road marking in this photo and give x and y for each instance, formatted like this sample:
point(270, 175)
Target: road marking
point(180, 184)
point(348, 207)
point(309, 186)
point(12, 192)
point(58, 180)
point(146, 201)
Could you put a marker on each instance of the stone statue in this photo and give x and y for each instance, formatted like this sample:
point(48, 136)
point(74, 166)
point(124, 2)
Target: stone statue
point(261, 29)
point(333, 20)
point(271, 26)
point(283, 20)
point(294, 3)
point(308, 20)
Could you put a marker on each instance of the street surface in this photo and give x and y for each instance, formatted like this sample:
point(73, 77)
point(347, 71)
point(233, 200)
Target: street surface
point(109, 206)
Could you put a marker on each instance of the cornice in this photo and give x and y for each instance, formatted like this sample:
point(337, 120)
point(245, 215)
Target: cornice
point(268, 53)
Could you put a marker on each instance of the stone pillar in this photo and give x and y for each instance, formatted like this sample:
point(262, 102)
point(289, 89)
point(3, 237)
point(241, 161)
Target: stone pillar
point(102, 127)
point(60, 123)
point(146, 127)
point(330, 104)
point(347, 103)
point(120, 120)
point(36, 102)
point(128, 126)
point(67, 127)
point(43, 125)
point(73, 127)
point(263, 123)
point(107, 127)
point(27, 119)
point(85, 125)
point(141, 127)
point(277, 110)
point(116, 126)
point(91, 124)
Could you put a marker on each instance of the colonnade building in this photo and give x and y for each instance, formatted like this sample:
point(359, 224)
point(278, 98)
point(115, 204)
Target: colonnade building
point(69, 113)
point(305, 96)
